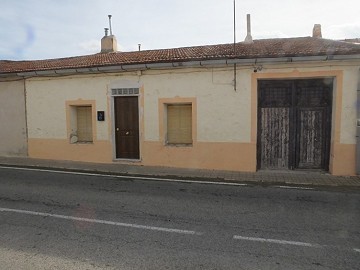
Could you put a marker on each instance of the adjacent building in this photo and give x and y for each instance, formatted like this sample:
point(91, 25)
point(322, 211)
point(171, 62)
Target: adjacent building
point(13, 131)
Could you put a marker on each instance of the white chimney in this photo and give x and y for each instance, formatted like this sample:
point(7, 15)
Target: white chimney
point(317, 31)
point(108, 43)
point(248, 38)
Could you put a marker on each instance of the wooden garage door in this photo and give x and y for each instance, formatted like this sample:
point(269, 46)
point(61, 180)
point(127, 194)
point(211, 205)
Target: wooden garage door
point(294, 124)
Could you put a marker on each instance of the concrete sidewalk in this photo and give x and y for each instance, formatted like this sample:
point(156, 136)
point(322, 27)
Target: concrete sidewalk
point(302, 178)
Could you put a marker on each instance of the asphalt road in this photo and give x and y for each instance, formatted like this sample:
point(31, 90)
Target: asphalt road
point(64, 221)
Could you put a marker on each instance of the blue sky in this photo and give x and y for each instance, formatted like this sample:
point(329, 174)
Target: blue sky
point(42, 29)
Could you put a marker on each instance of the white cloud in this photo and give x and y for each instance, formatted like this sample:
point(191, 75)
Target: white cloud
point(269, 34)
point(129, 48)
point(342, 31)
point(90, 46)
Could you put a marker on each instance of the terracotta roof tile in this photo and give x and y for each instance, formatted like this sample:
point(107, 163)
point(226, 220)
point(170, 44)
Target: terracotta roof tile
point(265, 48)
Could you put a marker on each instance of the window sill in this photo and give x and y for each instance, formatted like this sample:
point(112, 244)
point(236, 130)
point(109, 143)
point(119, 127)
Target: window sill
point(127, 160)
point(179, 144)
point(79, 143)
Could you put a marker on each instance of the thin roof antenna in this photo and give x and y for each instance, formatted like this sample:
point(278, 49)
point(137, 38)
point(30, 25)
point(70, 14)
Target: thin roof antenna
point(234, 25)
point(235, 86)
point(110, 24)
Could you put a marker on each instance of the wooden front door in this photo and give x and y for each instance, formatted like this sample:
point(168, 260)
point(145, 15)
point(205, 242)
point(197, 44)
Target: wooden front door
point(294, 124)
point(127, 127)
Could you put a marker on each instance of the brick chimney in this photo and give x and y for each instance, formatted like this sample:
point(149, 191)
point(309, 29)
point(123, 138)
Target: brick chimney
point(108, 43)
point(317, 31)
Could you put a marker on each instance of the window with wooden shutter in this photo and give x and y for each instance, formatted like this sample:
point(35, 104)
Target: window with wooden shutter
point(179, 124)
point(84, 124)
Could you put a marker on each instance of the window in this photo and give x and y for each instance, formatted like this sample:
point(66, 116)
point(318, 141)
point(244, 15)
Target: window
point(81, 124)
point(179, 124)
point(84, 124)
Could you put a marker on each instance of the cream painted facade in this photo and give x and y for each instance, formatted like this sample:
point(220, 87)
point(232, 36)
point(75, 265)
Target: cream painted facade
point(224, 120)
point(13, 135)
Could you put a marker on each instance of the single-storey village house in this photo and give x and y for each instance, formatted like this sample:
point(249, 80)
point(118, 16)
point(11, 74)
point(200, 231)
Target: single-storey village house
point(282, 104)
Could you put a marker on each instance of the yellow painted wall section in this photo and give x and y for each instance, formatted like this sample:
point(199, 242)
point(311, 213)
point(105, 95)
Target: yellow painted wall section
point(62, 150)
point(343, 158)
point(211, 156)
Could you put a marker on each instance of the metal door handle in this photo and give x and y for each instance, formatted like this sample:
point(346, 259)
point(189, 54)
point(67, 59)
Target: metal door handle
point(117, 129)
point(127, 133)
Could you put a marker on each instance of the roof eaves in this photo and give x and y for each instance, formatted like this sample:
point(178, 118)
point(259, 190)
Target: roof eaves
point(278, 50)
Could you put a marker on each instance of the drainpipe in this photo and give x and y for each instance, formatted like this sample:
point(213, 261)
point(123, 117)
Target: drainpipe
point(26, 118)
point(358, 127)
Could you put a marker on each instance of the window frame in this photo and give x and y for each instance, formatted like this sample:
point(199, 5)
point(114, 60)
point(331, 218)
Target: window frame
point(163, 128)
point(71, 120)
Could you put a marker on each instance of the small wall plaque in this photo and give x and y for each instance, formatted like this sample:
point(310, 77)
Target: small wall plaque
point(100, 115)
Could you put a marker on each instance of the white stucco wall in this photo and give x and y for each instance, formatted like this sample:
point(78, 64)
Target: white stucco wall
point(223, 115)
point(47, 98)
point(349, 106)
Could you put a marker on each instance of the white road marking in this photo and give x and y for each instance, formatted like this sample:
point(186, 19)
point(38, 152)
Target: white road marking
point(99, 221)
point(292, 187)
point(275, 241)
point(163, 229)
point(126, 177)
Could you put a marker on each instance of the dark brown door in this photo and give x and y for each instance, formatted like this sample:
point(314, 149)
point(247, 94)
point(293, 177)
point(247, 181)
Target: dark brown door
point(294, 124)
point(127, 127)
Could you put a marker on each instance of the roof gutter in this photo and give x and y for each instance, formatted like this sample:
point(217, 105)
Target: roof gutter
point(169, 65)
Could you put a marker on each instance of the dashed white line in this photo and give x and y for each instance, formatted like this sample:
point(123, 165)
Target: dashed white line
point(292, 187)
point(275, 241)
point(163, 229)
point(293, 243)
point(126, 176)
point(99, 221)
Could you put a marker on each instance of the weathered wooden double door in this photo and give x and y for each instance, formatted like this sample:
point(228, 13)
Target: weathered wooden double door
point(294, 124)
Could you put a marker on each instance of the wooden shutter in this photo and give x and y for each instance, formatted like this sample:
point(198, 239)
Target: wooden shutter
point(179, 124)
point(84, 124)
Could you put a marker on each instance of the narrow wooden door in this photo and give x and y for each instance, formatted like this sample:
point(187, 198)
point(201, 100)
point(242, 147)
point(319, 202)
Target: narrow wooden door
point(311, 138)
point(275, 138)
point(274, 125)
point(127, 127)
point(312, 103)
